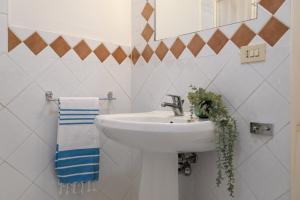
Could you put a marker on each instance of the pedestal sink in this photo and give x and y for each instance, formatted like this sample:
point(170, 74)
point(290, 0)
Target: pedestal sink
point(160, 135)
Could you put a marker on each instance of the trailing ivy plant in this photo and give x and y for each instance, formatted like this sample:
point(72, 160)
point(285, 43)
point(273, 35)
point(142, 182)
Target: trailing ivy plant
point(210, 105)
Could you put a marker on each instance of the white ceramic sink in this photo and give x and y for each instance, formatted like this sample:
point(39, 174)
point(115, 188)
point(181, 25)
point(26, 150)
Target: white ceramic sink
point(159, 131)
point(160, 135)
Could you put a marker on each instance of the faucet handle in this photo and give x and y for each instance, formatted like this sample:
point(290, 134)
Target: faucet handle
point(176, 98)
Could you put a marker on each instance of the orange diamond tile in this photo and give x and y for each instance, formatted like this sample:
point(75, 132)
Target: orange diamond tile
point(148, 32)
point(35, 43)
point(243, 36)
point(135, 55)
point(13, 40)
point(147, 53)
point(271, 5)
point(161, 51)
point(147, 11)
point(82, 49)
point(177, 48)
point(273, 31)
point(60, 46)
point(196, 44)
point(101, 52)
point(119, 55)
point(217, 41)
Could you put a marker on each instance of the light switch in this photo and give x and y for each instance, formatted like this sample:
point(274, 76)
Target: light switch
point(254, 53)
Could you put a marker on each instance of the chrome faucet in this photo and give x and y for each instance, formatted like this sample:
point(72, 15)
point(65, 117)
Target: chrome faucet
point(176, 105)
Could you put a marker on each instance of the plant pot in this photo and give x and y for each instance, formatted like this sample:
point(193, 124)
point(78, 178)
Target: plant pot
point(200, 112)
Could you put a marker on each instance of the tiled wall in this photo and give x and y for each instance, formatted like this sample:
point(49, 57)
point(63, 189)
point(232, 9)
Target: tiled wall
point(40, 61)
point(252, 92)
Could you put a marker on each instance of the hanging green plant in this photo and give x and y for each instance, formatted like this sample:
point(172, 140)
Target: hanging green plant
point(209, 105)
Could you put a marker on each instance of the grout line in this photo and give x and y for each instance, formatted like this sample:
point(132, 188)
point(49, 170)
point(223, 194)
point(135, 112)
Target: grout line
point(24, 192)
point(267, 146)
point(283, 194)
point(21, 173)
point(143, 85)
point(256, 150)
point(222, 69)
point(250, 95)
point(117, 82)
point(46, 193)
point(270, 75)
point(248, 186)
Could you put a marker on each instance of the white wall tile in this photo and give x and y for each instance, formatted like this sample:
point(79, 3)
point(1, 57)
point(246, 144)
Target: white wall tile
point(274, 57)
point(12, 79)
point(264, 175)
point(282, 15)
point(236, 81)
point(32, 157)
point(247, 143)
point(266, 105)
point(59, 79)
point(3, 30)
point(114, 183)
point(100, 83)
point(262, 18)
point(3, 6)
point(122, 156)
point(187, 187)
point(158, 83)
point(34, 193)
point(285, 196)
point(21, 33)
point(280, 80)
point(81, 69)
point(12, 183)
point(242, 191)
point(32, 64)
point(38, 114)
point(140, 74)
point(48, 36)
point(47, 181)
point(212, 65)
point(190, 75)
point(143, 102)
point(133, 194)
point(122, 74)
point(13, 133)
point(281, 146)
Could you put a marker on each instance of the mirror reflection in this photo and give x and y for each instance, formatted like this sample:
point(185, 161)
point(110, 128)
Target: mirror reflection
point(177, 17)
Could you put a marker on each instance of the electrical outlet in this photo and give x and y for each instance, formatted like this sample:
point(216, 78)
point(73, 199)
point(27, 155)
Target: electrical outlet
point(254, 53)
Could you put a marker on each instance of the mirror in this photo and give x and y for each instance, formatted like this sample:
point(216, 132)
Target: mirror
point(178, 17)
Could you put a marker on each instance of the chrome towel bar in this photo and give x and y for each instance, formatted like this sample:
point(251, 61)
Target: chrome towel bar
point(50, 98)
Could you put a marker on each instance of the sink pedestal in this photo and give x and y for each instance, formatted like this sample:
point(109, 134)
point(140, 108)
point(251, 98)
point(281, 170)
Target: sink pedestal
point(159, 180)
point(160, 135)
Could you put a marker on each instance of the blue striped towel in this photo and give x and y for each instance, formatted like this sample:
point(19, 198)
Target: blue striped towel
point(77, 153)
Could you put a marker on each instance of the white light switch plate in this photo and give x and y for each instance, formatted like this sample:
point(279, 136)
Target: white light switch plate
point(254, 53)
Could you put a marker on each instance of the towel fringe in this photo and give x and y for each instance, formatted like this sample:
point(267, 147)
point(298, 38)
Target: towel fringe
point(77, 188)
point(94, 188)
point(60, 188)
point(74, 188)
point(89, 186)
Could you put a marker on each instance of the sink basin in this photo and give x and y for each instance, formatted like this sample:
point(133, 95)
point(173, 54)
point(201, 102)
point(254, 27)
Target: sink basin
point(160, 135)
point(159, 131)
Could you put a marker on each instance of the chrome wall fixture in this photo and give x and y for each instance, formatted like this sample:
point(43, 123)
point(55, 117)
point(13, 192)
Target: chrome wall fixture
point(261, 128)
point(50, 97)
point(185, 161)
